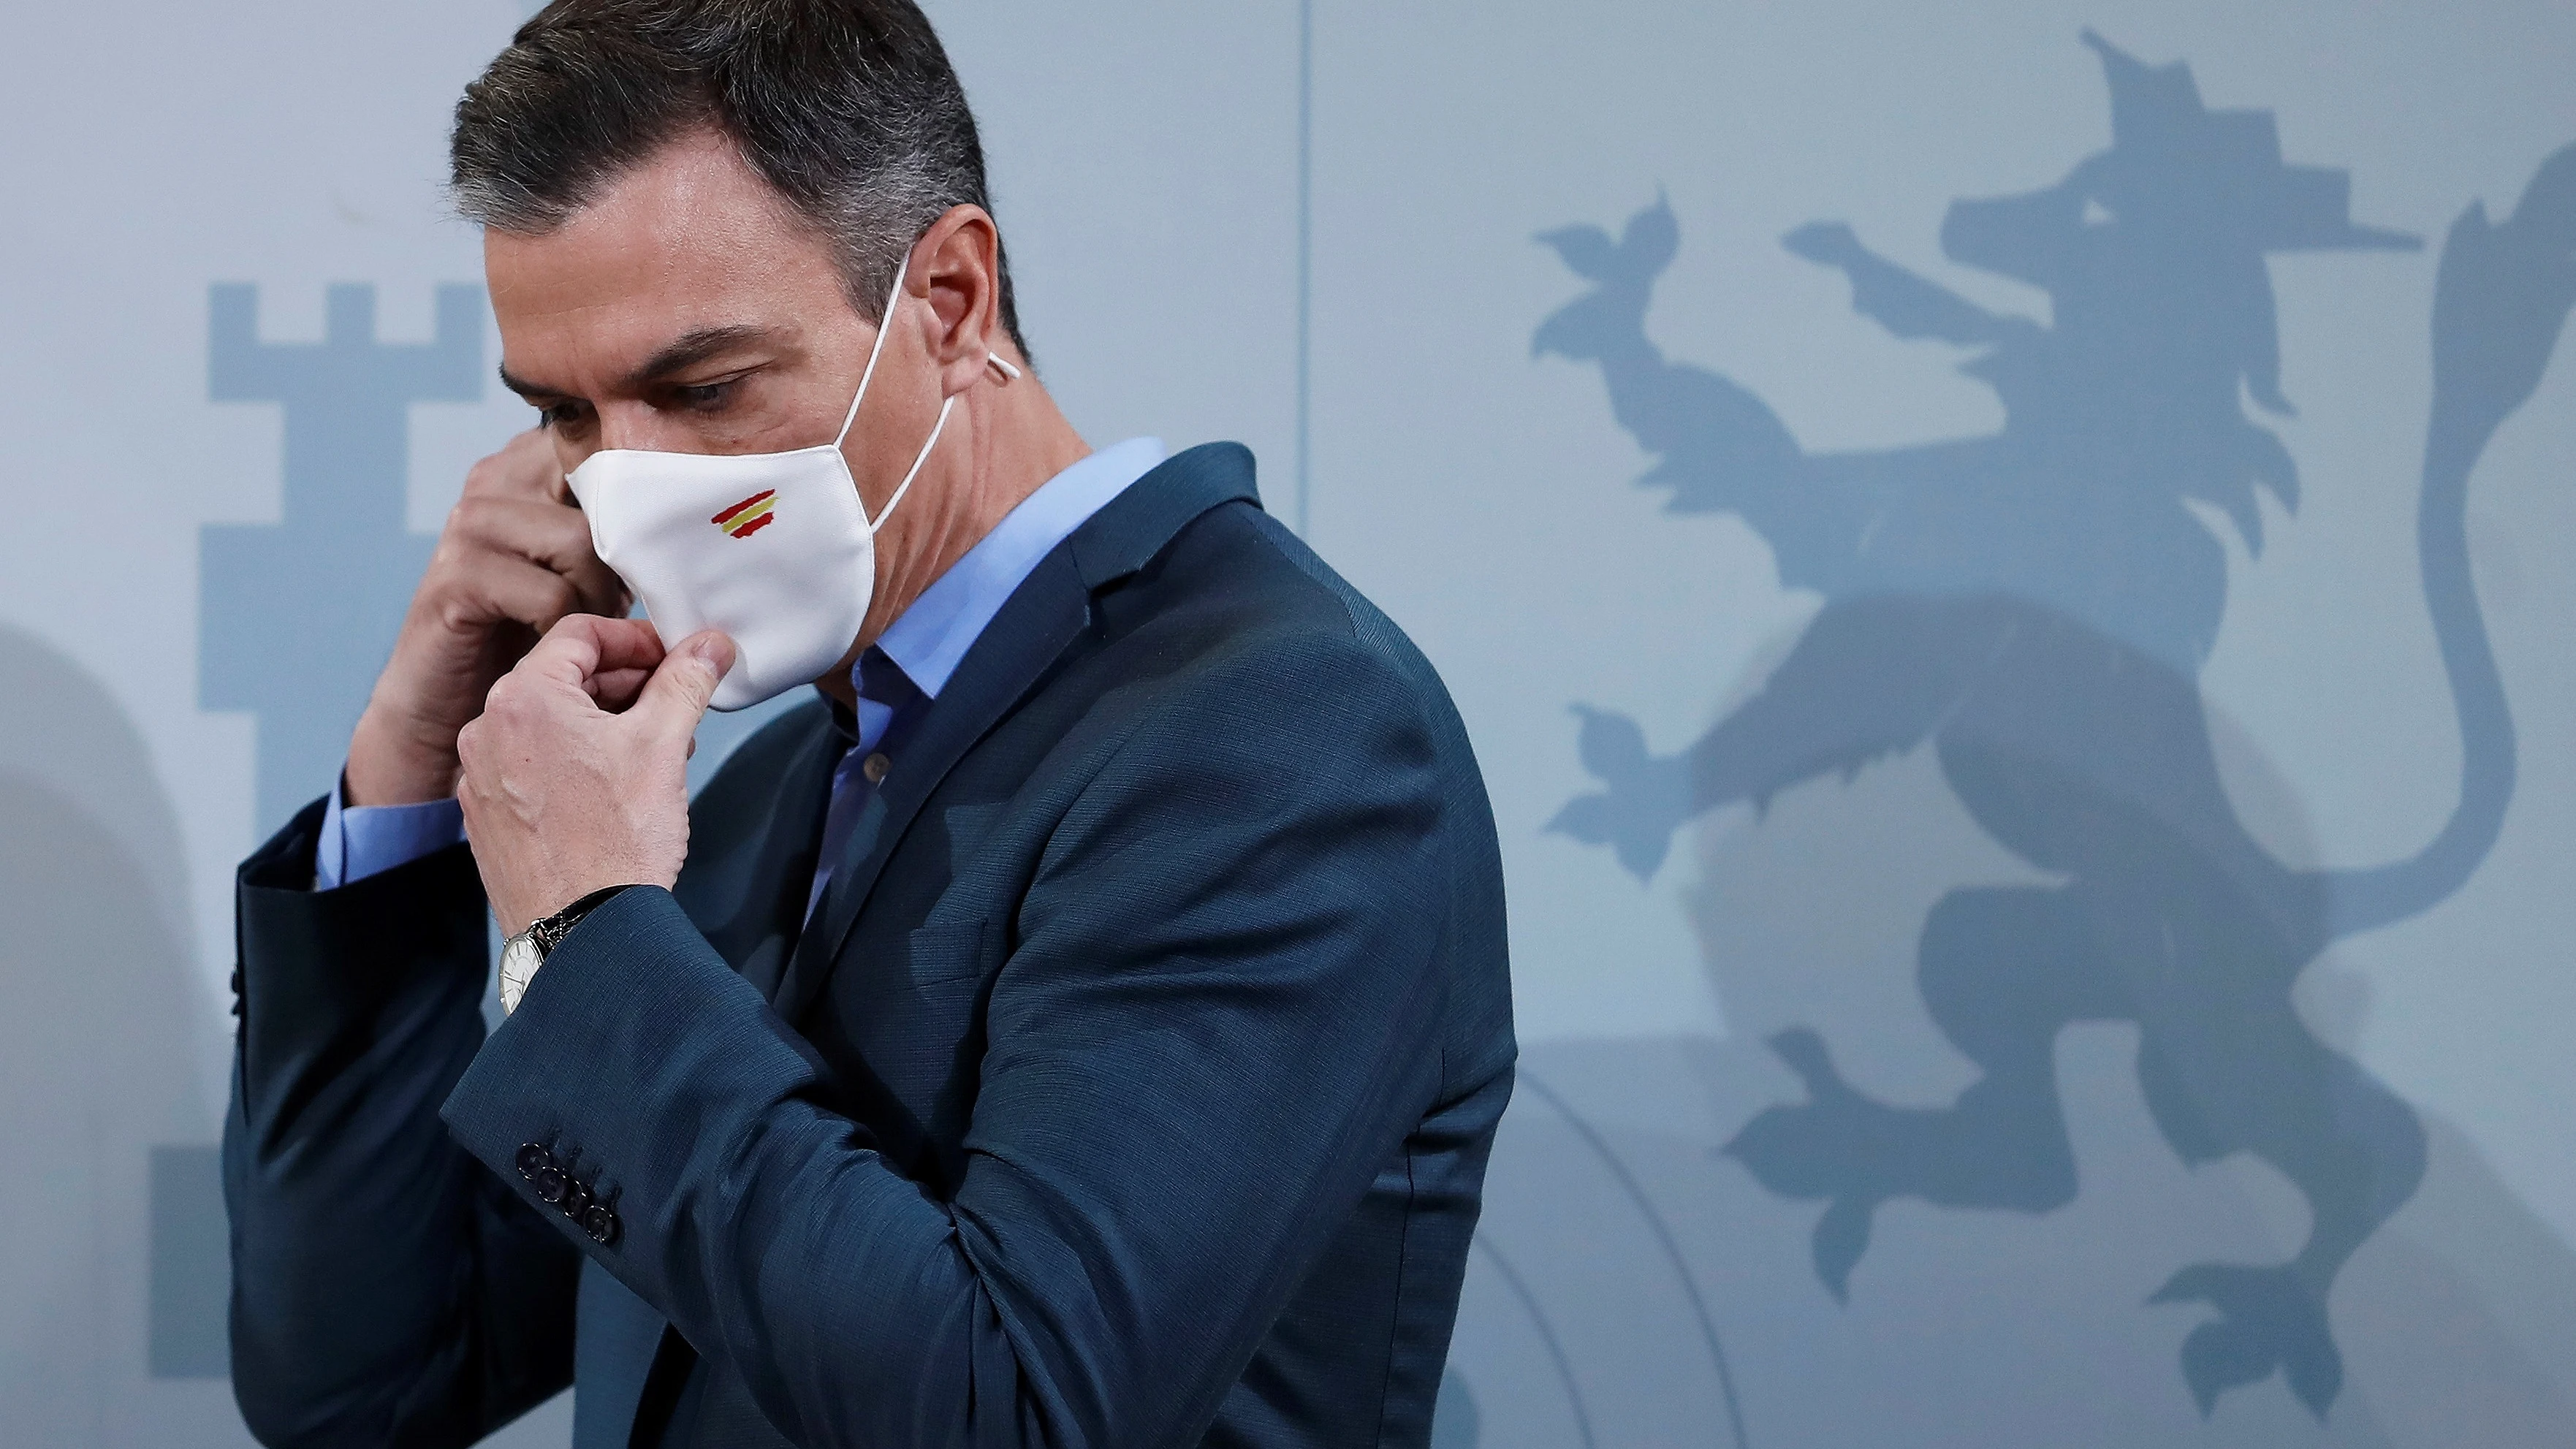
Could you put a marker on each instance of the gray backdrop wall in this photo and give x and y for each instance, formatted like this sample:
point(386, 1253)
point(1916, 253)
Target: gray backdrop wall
point(2007, 566)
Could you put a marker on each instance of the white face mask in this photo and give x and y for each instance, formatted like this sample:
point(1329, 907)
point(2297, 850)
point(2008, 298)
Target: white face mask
point(775, 549)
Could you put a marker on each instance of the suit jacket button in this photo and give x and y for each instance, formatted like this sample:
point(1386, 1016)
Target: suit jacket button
point(601, 1224)
point(551, 1182)
point(576, 1200)
point(533, 1159)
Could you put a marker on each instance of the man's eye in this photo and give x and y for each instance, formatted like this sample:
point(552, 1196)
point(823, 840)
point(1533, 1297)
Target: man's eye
point(560, 415)
point(703, 397)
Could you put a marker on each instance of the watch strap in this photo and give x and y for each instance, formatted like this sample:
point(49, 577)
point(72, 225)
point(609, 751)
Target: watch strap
point(523, 953)
point(549, 933)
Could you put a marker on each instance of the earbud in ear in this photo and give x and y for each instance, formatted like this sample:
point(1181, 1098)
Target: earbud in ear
point(1008, 372)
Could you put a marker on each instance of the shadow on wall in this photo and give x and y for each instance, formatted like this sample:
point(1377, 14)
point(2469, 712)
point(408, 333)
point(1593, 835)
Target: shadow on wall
point(1630, 1280)
point(2036, 606)
point(1613, 1224)
point(98, 1053)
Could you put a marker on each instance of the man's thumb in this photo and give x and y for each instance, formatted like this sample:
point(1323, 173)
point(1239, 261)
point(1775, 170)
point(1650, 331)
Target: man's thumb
point(676, 696)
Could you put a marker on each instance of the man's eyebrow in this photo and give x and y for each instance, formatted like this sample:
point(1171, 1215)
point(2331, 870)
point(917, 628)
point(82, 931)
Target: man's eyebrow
point(690, 349)
point(528, 391)
point(686, 351)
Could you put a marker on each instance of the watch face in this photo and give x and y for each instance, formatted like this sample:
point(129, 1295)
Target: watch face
point(518, 965)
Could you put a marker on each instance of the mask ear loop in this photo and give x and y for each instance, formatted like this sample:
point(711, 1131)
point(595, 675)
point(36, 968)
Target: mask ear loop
point(918, 459)
point(884, 326)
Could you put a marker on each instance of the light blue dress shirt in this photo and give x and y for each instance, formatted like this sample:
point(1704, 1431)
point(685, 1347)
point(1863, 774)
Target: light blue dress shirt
point(926, 641)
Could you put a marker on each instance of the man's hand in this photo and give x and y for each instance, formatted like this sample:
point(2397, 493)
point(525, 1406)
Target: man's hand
point(514, 558)
point(575, 777)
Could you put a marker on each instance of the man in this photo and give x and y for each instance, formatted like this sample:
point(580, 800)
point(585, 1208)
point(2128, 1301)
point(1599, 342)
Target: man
point(1084, 1023)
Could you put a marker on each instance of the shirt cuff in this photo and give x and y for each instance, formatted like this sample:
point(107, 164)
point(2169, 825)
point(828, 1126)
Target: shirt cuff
point(358, 841)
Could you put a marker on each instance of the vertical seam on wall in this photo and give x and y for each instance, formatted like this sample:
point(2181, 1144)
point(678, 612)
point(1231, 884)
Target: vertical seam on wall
point(1305, 256)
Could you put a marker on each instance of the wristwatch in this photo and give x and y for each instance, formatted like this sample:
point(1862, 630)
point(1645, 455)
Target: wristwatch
point(523, 953)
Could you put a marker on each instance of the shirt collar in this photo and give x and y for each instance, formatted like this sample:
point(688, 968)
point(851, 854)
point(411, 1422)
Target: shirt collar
point(929, 639)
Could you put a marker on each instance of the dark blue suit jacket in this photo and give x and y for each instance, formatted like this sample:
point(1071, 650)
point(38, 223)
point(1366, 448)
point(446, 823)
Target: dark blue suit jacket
point(1132, 1085)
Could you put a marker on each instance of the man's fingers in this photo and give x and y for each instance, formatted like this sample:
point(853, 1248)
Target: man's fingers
point(625, 643)
point(496, 587)
point(583, 646)
point(549, 534)
point(675, 698)
point(616, 689)
point(526, 467)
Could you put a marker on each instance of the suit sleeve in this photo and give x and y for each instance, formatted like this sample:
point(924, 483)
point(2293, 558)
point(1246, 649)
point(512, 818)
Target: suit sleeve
point(387, 1290)
point(1210, 1029)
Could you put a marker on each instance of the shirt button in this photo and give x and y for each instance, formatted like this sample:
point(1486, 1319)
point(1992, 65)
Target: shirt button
point(875, 767)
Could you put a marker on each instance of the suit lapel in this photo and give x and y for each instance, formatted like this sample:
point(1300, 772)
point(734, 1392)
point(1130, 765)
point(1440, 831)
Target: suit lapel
point(1043, 617)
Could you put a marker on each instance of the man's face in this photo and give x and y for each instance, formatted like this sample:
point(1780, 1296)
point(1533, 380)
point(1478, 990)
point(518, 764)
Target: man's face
point(688, 310)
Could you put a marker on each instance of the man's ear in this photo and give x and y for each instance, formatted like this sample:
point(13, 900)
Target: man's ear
point(958, 270)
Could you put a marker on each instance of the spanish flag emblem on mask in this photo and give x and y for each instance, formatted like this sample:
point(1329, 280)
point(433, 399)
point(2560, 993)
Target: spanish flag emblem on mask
point(749, 516)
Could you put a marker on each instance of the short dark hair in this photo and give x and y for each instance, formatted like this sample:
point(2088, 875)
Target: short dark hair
point(848, 107)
